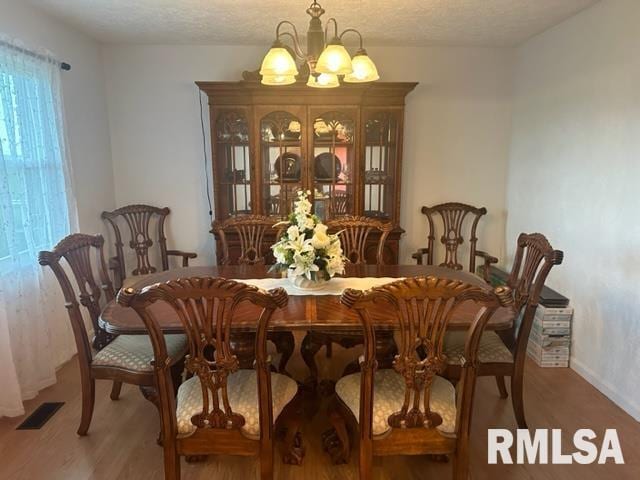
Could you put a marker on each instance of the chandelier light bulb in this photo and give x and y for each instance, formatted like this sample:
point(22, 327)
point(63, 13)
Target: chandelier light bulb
point(324, 80)
point(364, 70)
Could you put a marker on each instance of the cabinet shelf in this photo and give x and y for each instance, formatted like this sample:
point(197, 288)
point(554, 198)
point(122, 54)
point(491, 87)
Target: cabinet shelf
point(231, 143)
point(324, 143)
point(283, 143)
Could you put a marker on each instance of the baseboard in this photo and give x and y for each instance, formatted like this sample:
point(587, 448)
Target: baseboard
point(628, 405)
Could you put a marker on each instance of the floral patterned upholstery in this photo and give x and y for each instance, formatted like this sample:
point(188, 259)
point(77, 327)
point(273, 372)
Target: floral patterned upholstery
point(134, 352)
point(242, 389)
point(388, 397)
point(492, 348)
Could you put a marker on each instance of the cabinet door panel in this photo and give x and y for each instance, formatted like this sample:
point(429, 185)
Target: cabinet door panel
point(381, 154)
point(332, 160)
point(232, 161)
point(282, 159)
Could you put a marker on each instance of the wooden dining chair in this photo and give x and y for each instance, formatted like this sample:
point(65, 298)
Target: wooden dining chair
point(139, 219)
point(221, 409)
point(354, 233)
point(122, 359)
point(248, 233)
point(453, 218)
point(410, 409)
point(502, 354)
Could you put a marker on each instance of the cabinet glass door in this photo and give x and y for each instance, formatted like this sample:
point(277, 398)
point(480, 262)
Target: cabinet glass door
point(332, 164)
point(282, 164)
point(380, 158)
point(233, 164)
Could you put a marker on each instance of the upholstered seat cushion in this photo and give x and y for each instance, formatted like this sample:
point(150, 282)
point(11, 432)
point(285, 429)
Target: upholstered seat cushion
point(134, 352)
point(492, 348)
point(242, 390)
point(388, 397)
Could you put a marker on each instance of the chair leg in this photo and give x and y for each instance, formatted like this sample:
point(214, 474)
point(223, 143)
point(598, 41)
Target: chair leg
point(502, 388)
point(365, 462)
point(171, 461)
point(460, 466)
point(115, 390)
point(517, 398)
point(266, 461)
point(88, 401)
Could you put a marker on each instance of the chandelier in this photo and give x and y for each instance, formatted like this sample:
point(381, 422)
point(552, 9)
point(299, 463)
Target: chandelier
point(326, 61)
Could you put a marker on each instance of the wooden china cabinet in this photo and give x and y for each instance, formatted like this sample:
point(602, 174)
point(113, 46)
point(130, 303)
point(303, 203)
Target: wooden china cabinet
point(343, 144)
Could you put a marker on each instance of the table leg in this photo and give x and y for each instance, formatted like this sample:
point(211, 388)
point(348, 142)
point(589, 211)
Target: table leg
point(243, 345)
point(386, 349)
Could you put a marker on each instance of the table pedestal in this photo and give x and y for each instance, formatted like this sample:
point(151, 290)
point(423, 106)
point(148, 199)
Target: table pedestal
point(386, 349)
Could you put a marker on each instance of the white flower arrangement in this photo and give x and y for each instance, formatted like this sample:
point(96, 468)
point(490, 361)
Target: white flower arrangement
point(305, 248)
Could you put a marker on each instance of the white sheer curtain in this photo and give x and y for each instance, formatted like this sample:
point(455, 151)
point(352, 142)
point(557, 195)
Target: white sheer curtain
point(37, 208)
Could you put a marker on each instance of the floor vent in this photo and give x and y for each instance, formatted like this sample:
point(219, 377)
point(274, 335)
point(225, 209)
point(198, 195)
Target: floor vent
point(40, 416)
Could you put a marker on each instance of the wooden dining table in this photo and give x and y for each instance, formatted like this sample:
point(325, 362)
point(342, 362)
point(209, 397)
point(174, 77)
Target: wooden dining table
point(303, 312)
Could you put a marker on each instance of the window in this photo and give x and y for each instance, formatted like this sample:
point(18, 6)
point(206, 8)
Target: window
point(34, 211)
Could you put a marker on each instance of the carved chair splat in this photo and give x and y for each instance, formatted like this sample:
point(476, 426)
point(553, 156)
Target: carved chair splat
point(400, 417)
point(532, 263)
point(453, 216)
point(113, 360)
point(250, 231)
point(138, 219)
point(213, 413)
point(354, 232)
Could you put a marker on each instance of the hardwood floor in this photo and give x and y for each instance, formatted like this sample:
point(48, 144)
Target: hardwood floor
point(122, 439)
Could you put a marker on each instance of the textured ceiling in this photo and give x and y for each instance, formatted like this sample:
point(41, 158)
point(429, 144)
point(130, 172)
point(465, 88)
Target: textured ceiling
point(399, 22)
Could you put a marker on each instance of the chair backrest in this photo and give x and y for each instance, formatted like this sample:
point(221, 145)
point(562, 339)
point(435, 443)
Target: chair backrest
point(250, 230)
point(532, 263)
point(424, 306)
point(94, 288)
point(354, 232)
point(453, 217)
point(207, 308)
point(139, 222)
point(340, 203)
point(273, 205)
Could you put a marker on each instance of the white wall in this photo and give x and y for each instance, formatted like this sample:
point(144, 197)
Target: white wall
point(84, 104)
point(574, 174)
point(456, 140)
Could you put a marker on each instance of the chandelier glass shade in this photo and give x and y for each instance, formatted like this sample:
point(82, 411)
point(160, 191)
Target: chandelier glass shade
point(324, 61)
point(364, 70)
point(334, 60)
point(278, 79)
point(323, 80)
point(278, 61)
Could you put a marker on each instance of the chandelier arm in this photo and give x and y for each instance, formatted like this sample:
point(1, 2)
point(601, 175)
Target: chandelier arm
point(335, 28)
point(352, 30)
point(294, 37)
point(296, 47)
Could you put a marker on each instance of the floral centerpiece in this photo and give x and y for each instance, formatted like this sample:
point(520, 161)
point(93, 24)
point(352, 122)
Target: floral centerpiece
point(308, 254)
